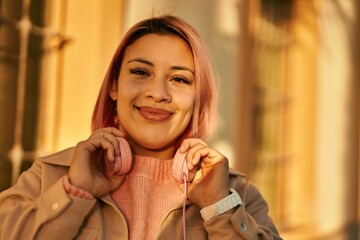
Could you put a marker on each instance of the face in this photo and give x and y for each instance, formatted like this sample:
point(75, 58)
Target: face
point(156, 93)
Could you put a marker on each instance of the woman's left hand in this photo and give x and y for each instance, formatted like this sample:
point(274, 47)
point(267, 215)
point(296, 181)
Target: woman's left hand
point(211, 182)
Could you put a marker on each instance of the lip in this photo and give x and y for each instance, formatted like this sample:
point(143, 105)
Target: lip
point(153, 114)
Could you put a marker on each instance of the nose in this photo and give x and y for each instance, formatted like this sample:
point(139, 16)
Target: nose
point(157, 90)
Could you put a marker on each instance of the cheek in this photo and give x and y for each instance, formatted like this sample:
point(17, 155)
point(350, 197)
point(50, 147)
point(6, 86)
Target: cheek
point(125, 101)
point(127, 91)
point(187, 103)
point(191, 105)
point(189, 98)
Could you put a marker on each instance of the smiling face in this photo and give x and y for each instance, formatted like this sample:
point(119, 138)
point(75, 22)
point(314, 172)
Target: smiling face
point(155, 93)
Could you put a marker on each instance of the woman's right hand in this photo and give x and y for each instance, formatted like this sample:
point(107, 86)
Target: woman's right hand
point(87, 167)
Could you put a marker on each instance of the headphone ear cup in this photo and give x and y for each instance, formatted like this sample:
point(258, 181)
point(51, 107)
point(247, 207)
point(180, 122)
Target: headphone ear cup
point(179, 168)
point(122, 164)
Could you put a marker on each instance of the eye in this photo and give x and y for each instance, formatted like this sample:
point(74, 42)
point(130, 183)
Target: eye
point(181, 80)
point(139, 72)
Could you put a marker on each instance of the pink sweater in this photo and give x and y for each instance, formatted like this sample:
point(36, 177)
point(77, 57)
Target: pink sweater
point(147, 194)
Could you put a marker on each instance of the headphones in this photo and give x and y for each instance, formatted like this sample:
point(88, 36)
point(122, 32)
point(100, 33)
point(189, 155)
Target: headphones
point(122, 165)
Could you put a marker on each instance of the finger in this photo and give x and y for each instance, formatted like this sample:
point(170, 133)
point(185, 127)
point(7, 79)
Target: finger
point(208, 156)
point(108, 149)
point(193, 157)
point(110, 130)
point(211, 155)
point(190, 146)
point(110, 134)
point(113, 140)
point(114, 131)
point(106, 145)
point(189, 143)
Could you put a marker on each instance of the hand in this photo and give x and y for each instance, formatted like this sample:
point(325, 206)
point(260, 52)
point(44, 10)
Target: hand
point(87, 166)
point(211, 181)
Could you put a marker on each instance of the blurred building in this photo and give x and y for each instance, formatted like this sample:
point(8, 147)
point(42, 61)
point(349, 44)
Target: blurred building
point(299, 113)
point(288, 73)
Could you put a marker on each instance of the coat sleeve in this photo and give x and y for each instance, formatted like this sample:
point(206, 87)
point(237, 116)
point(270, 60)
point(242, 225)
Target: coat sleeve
point(28, 211)
point(248, 221)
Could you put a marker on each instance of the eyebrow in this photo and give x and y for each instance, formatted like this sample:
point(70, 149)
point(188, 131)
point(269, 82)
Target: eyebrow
point(141, 60)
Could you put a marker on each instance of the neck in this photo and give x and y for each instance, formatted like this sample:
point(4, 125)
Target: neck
point(164, 153)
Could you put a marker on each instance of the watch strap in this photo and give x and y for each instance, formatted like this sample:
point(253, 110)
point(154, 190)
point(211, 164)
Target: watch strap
point(221, 206)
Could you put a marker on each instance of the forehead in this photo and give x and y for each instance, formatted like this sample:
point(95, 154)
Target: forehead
point(156, 47)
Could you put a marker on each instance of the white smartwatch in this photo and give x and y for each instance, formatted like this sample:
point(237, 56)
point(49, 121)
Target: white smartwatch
point(221, 206)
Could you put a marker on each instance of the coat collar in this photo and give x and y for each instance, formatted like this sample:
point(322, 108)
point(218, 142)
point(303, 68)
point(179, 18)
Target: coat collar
point(62, 158)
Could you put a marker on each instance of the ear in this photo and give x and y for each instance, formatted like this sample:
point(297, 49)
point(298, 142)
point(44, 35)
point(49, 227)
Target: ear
point(113, 91)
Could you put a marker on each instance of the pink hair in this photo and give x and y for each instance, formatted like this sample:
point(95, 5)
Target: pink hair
point(203, 119)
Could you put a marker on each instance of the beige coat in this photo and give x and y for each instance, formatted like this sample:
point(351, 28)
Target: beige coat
point(37, 207)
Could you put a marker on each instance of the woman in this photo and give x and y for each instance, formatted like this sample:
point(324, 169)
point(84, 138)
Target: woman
point(158, 96)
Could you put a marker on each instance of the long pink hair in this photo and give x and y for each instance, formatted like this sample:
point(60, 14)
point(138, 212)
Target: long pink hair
point(203, 118)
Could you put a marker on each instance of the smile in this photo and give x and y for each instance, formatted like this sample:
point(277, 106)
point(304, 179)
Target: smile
point(154, 114)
